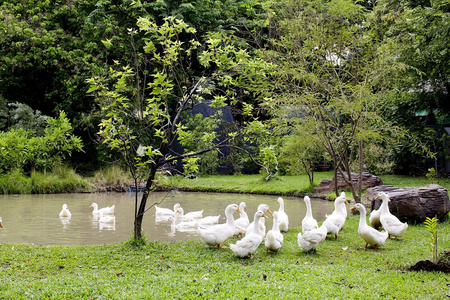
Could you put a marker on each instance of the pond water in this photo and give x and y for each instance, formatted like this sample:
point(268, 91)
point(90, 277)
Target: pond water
point(35, 219)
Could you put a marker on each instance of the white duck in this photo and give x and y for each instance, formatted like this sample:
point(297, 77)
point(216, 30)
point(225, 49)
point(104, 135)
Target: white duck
point(283, 219)
point(308, 222)
point(209, 220)
point(242, 222)
point(182, 226)
point(310, 240)
point(262, 221)
point(106, 218)
point(162, 211)
point(248, 245)
point(274, 238)
point(1, 223)
point(105, 210)
point(65, 212)
point(369, 234)
point(336, 220)
point(390, 223)
point(190, 216)
point(374, 218)
point(215, 235)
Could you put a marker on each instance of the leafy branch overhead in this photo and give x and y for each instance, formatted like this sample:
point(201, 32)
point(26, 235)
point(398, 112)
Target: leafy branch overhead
point(145, 107)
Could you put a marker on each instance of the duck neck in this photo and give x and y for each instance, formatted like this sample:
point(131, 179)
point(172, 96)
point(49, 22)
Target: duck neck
point(281, 205)
point(230, 218)
point(362, 217)
point(256, 228)
point(384, 205)
point(275, 226)
point(308, 209)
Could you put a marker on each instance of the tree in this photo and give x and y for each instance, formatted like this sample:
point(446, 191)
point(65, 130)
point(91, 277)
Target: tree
point(328, 77)
point(143, 107)
point(416, 33)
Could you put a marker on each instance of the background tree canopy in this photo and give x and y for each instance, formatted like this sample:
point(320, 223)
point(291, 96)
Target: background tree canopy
point(49, 48)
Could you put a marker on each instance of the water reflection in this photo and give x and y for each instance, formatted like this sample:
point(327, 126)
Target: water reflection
point(35, 218)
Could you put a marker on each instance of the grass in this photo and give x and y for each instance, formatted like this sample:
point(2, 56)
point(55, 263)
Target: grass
point(191, 270)
point(254, 184)
point(279, 185)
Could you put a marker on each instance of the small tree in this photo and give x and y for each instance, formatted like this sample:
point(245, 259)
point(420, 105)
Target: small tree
point(431, 226)
point(142, 108)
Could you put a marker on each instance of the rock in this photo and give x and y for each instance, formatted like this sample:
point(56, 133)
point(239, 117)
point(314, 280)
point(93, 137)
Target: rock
point(368, 180)
point(413, 204)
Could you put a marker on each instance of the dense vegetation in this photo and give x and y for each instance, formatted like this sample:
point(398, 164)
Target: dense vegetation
point(49, 48)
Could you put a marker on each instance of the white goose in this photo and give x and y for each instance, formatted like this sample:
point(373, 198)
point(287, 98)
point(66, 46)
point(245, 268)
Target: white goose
point(274, 238)
point(311, 239)
point(242, 222)
point(390, 223)
point(105, 210)
point(65, 213)
point(161, 211)
point(308, 222)
point(209, 220)
point(336, 220)
point(262, 221)
point(106, 218)
point(190, 216)
point(248, 245)
point(369, 234)
point(182, 226)
point(283, 219)
point(215, 235)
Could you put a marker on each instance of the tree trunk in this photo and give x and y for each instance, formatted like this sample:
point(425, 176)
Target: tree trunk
point(361, 165)
point(139, 217)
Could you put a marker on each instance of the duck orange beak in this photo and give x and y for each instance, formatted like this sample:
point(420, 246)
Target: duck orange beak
point(265, 216)
point(269, 211)
point(239, 211)
point(353, 207)
point(346, 202)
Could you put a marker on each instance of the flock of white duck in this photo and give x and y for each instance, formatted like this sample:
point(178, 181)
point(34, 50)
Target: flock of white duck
point(253, 234)
point(104, 216)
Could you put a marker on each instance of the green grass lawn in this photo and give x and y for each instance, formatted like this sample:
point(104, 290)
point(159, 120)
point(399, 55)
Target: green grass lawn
point(279, 185)
point(191, 270)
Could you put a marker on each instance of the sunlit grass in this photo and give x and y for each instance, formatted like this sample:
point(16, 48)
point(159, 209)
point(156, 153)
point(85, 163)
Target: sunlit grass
point(189, 269)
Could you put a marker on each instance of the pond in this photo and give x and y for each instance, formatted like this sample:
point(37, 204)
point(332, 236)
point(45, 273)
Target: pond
point(34, 219)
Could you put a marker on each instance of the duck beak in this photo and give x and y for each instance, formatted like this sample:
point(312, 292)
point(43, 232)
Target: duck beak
point(1, 224)
point(377, 196)
point(265, 216)
point(346, 202)
point(389, 199)
point(239, 211)
point(269, 211)
point(353, 207)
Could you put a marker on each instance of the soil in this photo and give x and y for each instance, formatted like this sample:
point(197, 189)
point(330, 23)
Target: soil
point(443, 265)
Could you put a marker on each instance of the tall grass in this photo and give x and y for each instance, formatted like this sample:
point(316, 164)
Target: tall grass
point(61, 179)
point(112, 175)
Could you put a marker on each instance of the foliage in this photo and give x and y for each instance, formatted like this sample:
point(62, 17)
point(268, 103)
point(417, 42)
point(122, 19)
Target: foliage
point(22, 150)
point(142, 109)
point(431, 226)
point(60, 179)
point(300, 154)
point(328, 77)
point(377, 159)
point(339, 269)
point(415, 34)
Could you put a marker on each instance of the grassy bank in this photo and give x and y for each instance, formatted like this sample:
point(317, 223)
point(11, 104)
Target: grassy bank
point(191, 270)
point(279, 185)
